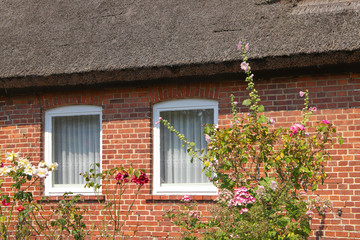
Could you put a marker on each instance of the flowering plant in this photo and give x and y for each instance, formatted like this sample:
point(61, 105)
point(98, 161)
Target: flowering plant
point(260, 170)
point(114, 204)
point(24, 176)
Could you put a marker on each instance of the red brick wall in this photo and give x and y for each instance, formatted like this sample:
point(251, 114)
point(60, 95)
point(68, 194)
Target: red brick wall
point(127, 137)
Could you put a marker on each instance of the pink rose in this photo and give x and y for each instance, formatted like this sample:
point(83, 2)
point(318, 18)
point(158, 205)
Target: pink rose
point(4, 203)
point(325, 121)
point(20, 208)
point(122, 177)
point(141, 180)
point(186, 198)
point(301, 93)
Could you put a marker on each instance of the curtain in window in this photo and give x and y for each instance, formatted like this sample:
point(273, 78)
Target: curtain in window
point(76, 147)
point(175, 165)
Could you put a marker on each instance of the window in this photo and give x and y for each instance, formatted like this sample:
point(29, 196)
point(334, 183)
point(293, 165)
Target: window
point(173, 172)
point(73, 140)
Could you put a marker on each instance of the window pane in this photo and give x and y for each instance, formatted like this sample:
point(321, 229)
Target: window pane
point(174, 160)
point(76, 146)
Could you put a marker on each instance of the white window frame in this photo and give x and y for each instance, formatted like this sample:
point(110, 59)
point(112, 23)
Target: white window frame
point(179, 189)
point(76, 110)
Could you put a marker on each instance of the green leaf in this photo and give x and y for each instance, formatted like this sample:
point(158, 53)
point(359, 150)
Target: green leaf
point(262, 119)
point(62, 222)
point(314, 187)
point(246, 102)
point(261, 108)
point(282, 222)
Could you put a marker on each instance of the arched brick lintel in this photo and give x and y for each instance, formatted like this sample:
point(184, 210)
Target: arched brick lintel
point(79, 97)
point(171, 91)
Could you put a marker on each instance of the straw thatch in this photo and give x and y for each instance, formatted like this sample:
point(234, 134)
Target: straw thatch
point(50, 37)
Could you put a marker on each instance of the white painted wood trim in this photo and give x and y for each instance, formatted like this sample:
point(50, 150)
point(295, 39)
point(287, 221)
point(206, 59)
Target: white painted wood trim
point(75, 110)
point(178, 189)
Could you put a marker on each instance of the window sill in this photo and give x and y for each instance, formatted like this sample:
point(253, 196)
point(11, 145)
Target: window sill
point(160, 198)
point(84, 198)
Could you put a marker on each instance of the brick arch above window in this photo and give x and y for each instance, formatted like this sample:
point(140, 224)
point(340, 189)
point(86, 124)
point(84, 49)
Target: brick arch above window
point(67, 98)
point(172, 91)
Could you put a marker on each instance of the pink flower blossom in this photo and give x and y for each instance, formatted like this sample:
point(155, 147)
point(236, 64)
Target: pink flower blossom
point(295, 128)
point(260, 191)
point(239, 47)
point(20, 208)
point(309, 213)
point(194, 214)
point(301, 93)
point(273, 185)
point(271, 121)
point(207, 138)
point(122, 177)
point(186, 198)
point(141, 180)
point(325, 121)
point(314, 109)
point(2, 164)
point(245, 66)
point(293, 132)
point(157, 122)
point(4, 203)
point(235, 103)
point(299, 126)
point(247, 47)
point(244, 210)
point(241, 198)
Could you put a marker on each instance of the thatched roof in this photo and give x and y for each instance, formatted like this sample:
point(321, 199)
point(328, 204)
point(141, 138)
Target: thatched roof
point(50, 37)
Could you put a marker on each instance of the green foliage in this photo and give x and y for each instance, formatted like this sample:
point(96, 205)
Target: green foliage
point(112, 207)
point(66, 218)
point(275, 164)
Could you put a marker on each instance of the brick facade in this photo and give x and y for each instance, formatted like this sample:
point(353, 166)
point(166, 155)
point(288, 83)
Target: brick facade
point(127, 137)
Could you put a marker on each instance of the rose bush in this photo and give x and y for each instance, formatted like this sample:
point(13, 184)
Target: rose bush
point(41, 217)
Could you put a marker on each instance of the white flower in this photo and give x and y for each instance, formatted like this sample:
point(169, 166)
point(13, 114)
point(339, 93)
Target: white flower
point(42, 172)
point(11, 156)
point(42, 165)
point(23, 162)
point(53, 166)
point(30, 170)
point(4, 171)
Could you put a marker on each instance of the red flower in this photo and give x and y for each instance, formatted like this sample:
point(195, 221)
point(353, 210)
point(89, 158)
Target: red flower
point(141, 180)
point(20, 208)
point(122, 177)
point(4, 203)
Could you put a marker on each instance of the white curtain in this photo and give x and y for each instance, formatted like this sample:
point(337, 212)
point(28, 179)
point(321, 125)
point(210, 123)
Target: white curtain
point(175, 161)
point(76, 147)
